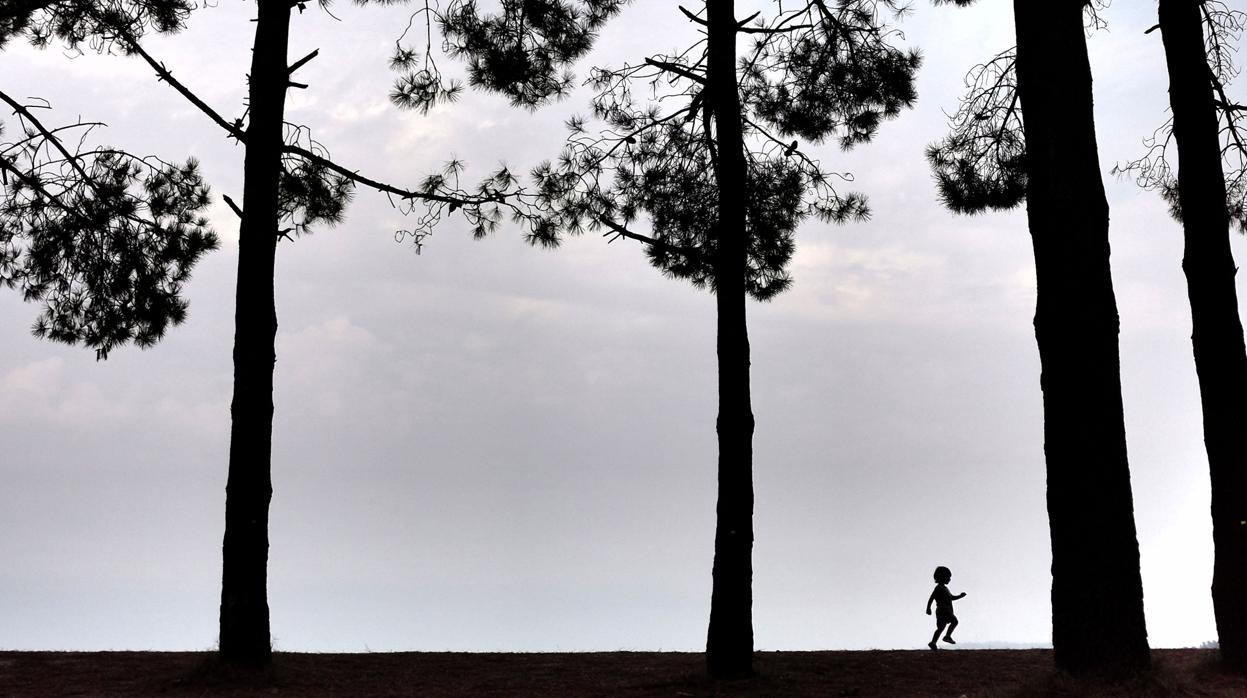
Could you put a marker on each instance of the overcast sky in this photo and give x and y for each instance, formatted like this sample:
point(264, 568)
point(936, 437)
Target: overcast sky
point(493, 447)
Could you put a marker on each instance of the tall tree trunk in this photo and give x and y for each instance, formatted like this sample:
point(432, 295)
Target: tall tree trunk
point(1097, 593)
point(729, 642)
point(1217, 336)
point(244, 579)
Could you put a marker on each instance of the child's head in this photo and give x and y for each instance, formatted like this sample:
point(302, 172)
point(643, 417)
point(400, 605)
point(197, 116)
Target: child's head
point(943, 575)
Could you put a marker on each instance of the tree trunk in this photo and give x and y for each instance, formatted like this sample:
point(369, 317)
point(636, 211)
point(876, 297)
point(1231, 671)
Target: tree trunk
point(1217, 336)
point(729, 642)
point(244, 579)
point(1097, 594)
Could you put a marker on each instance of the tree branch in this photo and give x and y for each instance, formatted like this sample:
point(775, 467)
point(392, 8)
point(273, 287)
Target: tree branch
point(621, 231)
point(766, 30)
point(358, 178)
point(56, 142)
point(233, 129)
point(302, 61)
point(35, 184)
point(1232, 126)
point(678, 70)
point(741, 23)
point(690, 15)
point(232, 205)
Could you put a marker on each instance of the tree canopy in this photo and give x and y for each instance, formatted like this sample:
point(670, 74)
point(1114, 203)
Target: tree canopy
point(1155, 169)
point(102, 238)
point(816, 72)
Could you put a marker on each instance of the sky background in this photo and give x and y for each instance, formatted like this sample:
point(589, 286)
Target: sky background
point(493, 447)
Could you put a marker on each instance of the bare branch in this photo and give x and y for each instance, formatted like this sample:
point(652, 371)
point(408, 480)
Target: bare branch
point(676, 69)
point(233, 206)
point(234, 129)
point(621, 231)
point(302, 61)
point(693, 17)
point(358, 178)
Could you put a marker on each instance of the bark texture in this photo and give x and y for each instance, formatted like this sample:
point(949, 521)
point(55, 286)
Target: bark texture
point(1217, 331)
point(1097, 595)
point(729, 642)
point(245, 635)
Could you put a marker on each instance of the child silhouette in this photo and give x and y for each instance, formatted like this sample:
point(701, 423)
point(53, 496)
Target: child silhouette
point(943, 599)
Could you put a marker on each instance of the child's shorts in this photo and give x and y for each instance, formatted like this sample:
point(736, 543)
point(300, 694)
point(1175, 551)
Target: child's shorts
point(944, 617)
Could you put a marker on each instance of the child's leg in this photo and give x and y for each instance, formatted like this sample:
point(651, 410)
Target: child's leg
point(938, 629)
point(952, 625)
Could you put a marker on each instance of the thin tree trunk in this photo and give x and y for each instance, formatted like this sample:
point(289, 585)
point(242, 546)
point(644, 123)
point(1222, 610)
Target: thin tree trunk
point(244, 579)
point(1217, 337)
point(729, 642)
point(1097, 593)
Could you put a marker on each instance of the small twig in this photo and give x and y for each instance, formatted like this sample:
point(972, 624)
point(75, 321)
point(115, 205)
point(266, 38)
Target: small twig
point(232, 205)
point(621, 231)
point(35, 184)
point(302, 61)
point(678, 70)
point(19, 109)
point(748, 19)
point(693, 17)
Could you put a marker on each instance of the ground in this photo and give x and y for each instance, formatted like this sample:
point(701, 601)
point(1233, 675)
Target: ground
point(916, 674)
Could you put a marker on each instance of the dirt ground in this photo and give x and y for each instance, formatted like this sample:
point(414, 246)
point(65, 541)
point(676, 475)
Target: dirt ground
point(986, 673)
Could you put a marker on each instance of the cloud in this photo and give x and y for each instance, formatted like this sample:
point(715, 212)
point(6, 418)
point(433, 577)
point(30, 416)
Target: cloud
point(49, 394)
point(332, 347)
point(539, 310)
point(37, 377)
point(347, 114)
point(836, 281)
point(40, 392)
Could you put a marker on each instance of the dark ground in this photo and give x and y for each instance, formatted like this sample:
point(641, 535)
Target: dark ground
point(1186, 672)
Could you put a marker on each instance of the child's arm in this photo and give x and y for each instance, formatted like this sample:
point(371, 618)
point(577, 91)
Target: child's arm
point(962, 595)
point(930, 599)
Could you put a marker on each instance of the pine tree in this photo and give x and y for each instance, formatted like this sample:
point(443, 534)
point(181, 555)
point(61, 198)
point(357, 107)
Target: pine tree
point(1207, 130)
point(288, 179)
point(1027, 131)
point(714, 161)
point(103, 239)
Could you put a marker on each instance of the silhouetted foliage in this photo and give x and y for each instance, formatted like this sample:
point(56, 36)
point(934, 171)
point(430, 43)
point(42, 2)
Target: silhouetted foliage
point(1154, 171)
point(92, 23)
point(524, 51)
point(981, 164)
point(102, 238)
point(658, 162)
point(706, 145)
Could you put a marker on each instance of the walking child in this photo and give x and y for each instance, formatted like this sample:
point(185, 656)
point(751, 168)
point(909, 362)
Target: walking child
point(943, 599)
